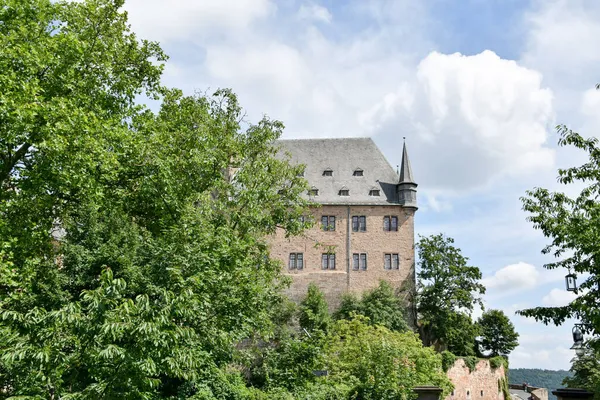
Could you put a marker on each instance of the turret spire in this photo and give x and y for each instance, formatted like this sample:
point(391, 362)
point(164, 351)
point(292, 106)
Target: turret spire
point(406, 175)
point(407, 188)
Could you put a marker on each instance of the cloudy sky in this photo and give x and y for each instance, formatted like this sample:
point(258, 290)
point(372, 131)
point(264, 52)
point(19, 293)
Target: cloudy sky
point(475, 86)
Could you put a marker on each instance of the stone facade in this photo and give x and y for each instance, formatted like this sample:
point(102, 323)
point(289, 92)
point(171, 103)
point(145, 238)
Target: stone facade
point(351, 178)
point(481, 384)
point(375, 242)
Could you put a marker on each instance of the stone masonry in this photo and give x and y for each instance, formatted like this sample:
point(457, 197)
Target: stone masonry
point(350, 178)
point(481, 384)
point(375, 242)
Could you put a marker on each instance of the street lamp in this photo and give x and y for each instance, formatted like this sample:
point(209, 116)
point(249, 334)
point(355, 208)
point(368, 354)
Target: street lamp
point(578, 341)
point(571, 281)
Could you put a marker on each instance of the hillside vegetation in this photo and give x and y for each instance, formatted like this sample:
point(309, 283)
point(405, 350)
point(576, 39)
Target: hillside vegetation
point(545, 378)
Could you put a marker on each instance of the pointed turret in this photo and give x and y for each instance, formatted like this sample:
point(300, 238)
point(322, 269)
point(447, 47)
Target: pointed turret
point(407, 188)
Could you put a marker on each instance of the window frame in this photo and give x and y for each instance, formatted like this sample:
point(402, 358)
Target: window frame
point(375, 193)
point(359, 223)
point(296, 261)
point(328, 223)
point(391, 261)
point(359, 261)
point(358, 172)
point(390, 223)
point(328, 261)
point(327, 172)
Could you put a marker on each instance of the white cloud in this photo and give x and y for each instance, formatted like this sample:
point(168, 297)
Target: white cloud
point(558, 298)
point(562, 41)
point(513, 277)
point(314, 12)
point(191, 19)
point(473, 119)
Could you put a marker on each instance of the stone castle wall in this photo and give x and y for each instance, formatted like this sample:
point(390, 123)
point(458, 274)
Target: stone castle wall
point(481, 384)
point(375, 242)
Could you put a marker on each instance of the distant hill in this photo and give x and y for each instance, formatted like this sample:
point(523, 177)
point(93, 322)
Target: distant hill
point(544, 378)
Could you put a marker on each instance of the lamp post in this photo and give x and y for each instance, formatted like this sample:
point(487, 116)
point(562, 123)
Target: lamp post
point(578, 340)
point(571, 282)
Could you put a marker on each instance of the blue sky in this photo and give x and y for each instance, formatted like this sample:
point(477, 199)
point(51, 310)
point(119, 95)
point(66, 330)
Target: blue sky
point(476, 86)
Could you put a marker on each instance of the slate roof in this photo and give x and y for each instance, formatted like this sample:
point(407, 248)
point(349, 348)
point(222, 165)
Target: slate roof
point(405, 170)
point(343, 157)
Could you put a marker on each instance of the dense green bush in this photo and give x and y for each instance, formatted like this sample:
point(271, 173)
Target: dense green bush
point(448, 360)
point(471, 362)
point(380, 305)
point(498, 361)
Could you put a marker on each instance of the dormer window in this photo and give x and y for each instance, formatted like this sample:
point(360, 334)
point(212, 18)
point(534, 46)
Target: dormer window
point(374, 192)
point(328, 172)
point(313, 191)
point(344, 191)
point(358, 172)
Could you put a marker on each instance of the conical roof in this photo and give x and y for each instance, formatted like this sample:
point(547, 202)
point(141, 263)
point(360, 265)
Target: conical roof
point(406, 175)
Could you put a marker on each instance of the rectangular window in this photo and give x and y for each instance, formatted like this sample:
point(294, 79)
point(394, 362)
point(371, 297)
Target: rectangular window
point(390, 223)
point(328, 261)
point(359, 261)
point(392, 261)
point(296, 261)
point(363, 261)
point(328, 223)
point(359, 223)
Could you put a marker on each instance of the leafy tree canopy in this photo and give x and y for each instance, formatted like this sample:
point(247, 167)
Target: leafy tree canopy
point(498, 336)
point(380, 305)
point(132, 253)
point(572, 225)
point(448, 289)
point(586, 371)
point(314, 313)
point(381, 364)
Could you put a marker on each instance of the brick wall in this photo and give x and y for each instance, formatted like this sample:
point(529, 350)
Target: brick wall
point(375, 242)
point(481, 384)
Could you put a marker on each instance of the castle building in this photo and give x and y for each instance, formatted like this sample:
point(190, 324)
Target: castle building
point(364, 230)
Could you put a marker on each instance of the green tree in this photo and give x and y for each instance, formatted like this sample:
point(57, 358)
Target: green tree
point(498, 335)
point(314, 313)
point(378, 363)
point(571, 224)
point(448, 289)
point(132, 250)
point(586, 371)
point(380, 305)
point(459, 333)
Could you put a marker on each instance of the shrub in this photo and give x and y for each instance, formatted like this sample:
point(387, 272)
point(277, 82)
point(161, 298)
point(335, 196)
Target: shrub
point(471, 362)
point(448, 360)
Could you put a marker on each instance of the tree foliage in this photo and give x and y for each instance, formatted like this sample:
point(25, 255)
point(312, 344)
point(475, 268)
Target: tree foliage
point(380, 305)
point(498, 335)
point(572, 225)
point(381, 364)
point(586, 371)
point(132, 251)
point(314, 313)
point(448, 289)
